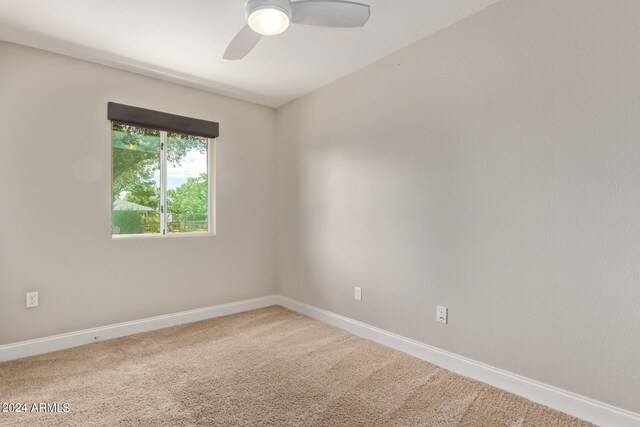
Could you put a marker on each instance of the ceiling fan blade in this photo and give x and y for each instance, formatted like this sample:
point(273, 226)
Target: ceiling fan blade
point(241, 44)
point(330, 13)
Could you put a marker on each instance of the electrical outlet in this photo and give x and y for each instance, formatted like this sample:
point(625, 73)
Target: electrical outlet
point(32, 299)
point(442, 314)
point(358, 293)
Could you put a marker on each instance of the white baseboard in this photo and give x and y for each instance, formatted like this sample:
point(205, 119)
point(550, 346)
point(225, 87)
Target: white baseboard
point(86, 336)
point(579, 406)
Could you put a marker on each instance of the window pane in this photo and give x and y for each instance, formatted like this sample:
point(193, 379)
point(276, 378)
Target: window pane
point(187, 184)
point(135, 185)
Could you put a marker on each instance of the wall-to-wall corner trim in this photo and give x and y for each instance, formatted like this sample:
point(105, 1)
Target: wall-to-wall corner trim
point(571, 403)
point(74, 339)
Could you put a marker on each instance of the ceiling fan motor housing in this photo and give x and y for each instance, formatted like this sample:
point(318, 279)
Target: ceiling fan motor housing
point(255, 5)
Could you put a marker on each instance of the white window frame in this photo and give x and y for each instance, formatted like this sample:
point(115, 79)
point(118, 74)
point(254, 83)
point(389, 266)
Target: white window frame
point(211, 196)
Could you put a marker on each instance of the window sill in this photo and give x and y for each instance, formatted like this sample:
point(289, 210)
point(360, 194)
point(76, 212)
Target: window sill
point(160, 236)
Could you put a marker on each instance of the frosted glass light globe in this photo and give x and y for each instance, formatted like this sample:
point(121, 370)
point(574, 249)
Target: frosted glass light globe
point(268, 21)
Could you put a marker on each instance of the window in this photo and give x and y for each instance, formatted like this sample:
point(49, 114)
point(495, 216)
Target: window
point(161, 181)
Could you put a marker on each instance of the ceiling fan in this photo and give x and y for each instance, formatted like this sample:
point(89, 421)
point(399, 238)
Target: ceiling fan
point(271, 17)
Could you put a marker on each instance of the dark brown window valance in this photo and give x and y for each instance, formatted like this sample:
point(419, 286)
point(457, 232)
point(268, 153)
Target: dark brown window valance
point(136, 116)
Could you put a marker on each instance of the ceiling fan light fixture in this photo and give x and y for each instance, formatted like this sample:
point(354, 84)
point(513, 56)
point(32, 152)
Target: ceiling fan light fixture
point(268, 22)
point(271, 17)
point(268, 17)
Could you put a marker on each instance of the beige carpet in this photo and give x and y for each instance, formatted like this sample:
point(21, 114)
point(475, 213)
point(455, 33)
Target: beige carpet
point(269, 367)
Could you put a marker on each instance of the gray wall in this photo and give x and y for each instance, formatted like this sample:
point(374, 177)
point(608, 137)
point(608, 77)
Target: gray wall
point(493, 168)
point(55, 226)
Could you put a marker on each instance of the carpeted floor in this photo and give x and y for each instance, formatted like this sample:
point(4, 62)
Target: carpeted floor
point(268, 367)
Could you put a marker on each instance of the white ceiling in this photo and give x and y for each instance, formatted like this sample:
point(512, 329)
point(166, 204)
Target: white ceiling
point(183, 40)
